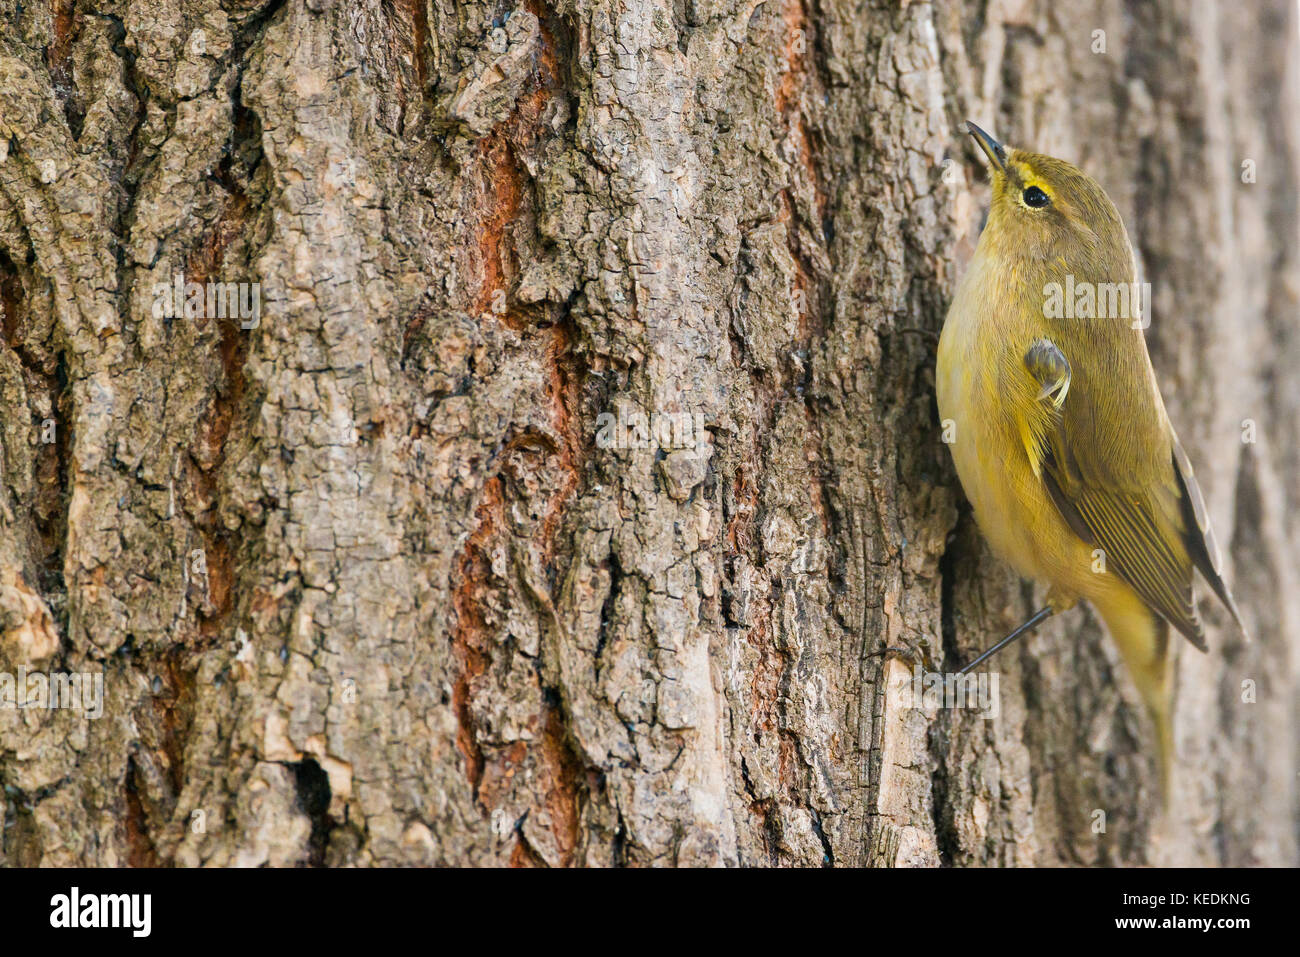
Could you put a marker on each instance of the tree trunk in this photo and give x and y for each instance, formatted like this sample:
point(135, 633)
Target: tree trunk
point(583, 462)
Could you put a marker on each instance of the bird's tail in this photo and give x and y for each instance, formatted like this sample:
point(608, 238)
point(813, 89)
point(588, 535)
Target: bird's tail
point(1143, 639)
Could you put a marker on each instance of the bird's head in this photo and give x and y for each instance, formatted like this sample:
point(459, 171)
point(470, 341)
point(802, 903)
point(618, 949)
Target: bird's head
point(1047, 209)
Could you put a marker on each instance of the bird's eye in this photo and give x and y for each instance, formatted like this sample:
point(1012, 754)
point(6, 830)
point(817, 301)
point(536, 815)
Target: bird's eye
point(1035, 197)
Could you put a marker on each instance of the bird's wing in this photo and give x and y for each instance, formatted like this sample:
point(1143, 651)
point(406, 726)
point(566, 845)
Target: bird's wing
point(1140, 542)
point(1138, 521)
point(1199, 536)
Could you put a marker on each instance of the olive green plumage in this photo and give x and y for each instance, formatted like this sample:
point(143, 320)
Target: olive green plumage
point(1062, 442)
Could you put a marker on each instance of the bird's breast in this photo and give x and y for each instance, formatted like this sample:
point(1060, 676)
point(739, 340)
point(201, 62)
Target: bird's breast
point(979, 378)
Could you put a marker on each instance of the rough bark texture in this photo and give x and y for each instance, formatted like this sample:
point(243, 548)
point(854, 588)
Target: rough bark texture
point(366, 587)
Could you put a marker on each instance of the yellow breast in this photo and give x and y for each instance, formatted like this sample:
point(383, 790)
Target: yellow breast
point(980, 380)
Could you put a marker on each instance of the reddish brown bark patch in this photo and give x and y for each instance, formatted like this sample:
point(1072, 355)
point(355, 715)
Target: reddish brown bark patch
point(56, 54)
point(174, 708)
point(563, 775)
point(419, 40)
point(140, 849)
point(562, 392)
point(502, 189)
point(503, 192)
point(208, 449)
point(521, 855)
point(471, 637)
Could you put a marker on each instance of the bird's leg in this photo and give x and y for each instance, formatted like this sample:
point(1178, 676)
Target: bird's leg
point(1056, 602)
point(1037, 619)
point(1048, 365)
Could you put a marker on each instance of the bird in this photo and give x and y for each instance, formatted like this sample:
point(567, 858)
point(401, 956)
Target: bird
point(1058, 431)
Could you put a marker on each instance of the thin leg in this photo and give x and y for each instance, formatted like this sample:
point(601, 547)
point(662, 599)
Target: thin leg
point(1040, 616)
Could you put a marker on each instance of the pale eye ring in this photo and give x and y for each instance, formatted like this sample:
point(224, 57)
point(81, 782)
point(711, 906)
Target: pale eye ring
point(1035, 197)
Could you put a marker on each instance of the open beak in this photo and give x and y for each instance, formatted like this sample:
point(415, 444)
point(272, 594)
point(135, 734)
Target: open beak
point(991, 147)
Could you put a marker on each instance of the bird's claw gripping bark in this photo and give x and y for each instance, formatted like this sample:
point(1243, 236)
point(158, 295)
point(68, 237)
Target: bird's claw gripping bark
point(917, 652)
point(1059, 601)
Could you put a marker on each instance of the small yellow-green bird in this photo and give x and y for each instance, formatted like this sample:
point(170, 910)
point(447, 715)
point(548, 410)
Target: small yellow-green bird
point(1057, 428)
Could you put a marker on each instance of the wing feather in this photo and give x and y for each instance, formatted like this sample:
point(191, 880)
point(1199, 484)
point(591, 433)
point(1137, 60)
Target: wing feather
point(1200, 538)
point(1137, 539)
point(1150, 527)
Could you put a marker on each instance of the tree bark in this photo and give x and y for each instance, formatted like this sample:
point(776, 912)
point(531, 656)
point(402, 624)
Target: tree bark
point(376, 581)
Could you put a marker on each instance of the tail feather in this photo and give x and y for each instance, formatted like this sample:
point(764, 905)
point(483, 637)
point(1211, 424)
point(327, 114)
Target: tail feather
point(1142, 638)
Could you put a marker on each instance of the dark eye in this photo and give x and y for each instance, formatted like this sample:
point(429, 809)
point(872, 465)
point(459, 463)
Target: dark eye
point(1035, 197)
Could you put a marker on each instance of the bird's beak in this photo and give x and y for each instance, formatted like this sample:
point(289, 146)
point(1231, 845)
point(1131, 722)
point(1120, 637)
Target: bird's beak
point(991, 147)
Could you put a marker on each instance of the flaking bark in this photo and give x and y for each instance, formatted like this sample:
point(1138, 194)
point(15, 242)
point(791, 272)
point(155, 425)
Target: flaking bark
point(366, 589)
